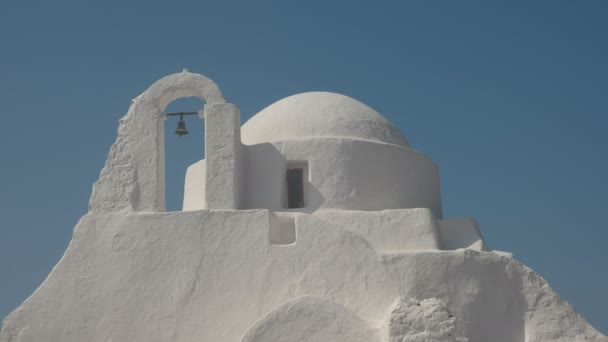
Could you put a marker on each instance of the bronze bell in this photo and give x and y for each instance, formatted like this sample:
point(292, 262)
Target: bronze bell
point(181, 127)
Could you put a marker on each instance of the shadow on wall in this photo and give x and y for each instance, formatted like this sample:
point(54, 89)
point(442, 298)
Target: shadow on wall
point(266, 180)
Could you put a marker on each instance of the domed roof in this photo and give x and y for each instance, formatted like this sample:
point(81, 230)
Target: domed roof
point(319, 114)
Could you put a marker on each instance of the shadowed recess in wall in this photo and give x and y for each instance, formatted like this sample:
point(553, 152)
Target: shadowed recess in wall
point(282, 229)
point(181, 152)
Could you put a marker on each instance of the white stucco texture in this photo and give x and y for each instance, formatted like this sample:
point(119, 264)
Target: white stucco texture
point(311, 319)
point(194, 186)
point(223, 152)
point(420, 320)
point(319, 114)
point(343, 173)
point(461, 232)
point(215, 275)
point(389, 230)
point(353, 159)
point(366, 257)
point(133, 177)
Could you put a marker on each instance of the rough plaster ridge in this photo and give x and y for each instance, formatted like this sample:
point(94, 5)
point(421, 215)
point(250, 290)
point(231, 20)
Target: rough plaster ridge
point(413, 320)
point(497, 296)
point(222, 152)
point(549, 317)
point(116, 180)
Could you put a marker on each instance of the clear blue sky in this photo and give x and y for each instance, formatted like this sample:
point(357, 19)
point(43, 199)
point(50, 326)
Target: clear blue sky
point(510, 98)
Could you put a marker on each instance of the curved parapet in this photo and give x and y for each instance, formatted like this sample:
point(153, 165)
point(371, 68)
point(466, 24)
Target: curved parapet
point(311, 319)
point(183, 84)
point(343, 173)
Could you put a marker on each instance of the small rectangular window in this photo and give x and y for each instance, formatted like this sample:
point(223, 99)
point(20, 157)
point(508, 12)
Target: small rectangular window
point(295, 188)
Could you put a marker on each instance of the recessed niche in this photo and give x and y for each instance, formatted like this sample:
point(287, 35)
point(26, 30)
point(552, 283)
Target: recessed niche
point(282, 230)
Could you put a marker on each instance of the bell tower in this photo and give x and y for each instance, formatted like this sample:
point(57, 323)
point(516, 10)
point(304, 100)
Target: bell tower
point(133, 178)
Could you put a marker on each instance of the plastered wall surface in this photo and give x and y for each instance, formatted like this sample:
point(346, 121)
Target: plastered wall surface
point(369, 257)
point(195, 187)
point(211, 275)
point(355, 159)
point(344, 173)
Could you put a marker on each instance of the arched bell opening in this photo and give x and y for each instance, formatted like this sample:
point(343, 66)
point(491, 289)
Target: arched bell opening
point(184, 145)
point(133, 177)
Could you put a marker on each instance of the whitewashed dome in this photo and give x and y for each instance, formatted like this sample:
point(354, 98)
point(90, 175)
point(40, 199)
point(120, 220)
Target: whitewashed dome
point(319, 114)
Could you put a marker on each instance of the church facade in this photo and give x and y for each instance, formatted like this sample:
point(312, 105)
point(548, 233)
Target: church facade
point(313, 221)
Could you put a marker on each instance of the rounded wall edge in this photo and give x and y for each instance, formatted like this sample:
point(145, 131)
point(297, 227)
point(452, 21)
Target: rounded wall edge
point(344, 173)
point(194, 187)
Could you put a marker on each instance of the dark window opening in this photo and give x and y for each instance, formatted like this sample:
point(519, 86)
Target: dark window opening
point(295, 188)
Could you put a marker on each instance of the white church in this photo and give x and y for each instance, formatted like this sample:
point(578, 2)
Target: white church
point(314, 221)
